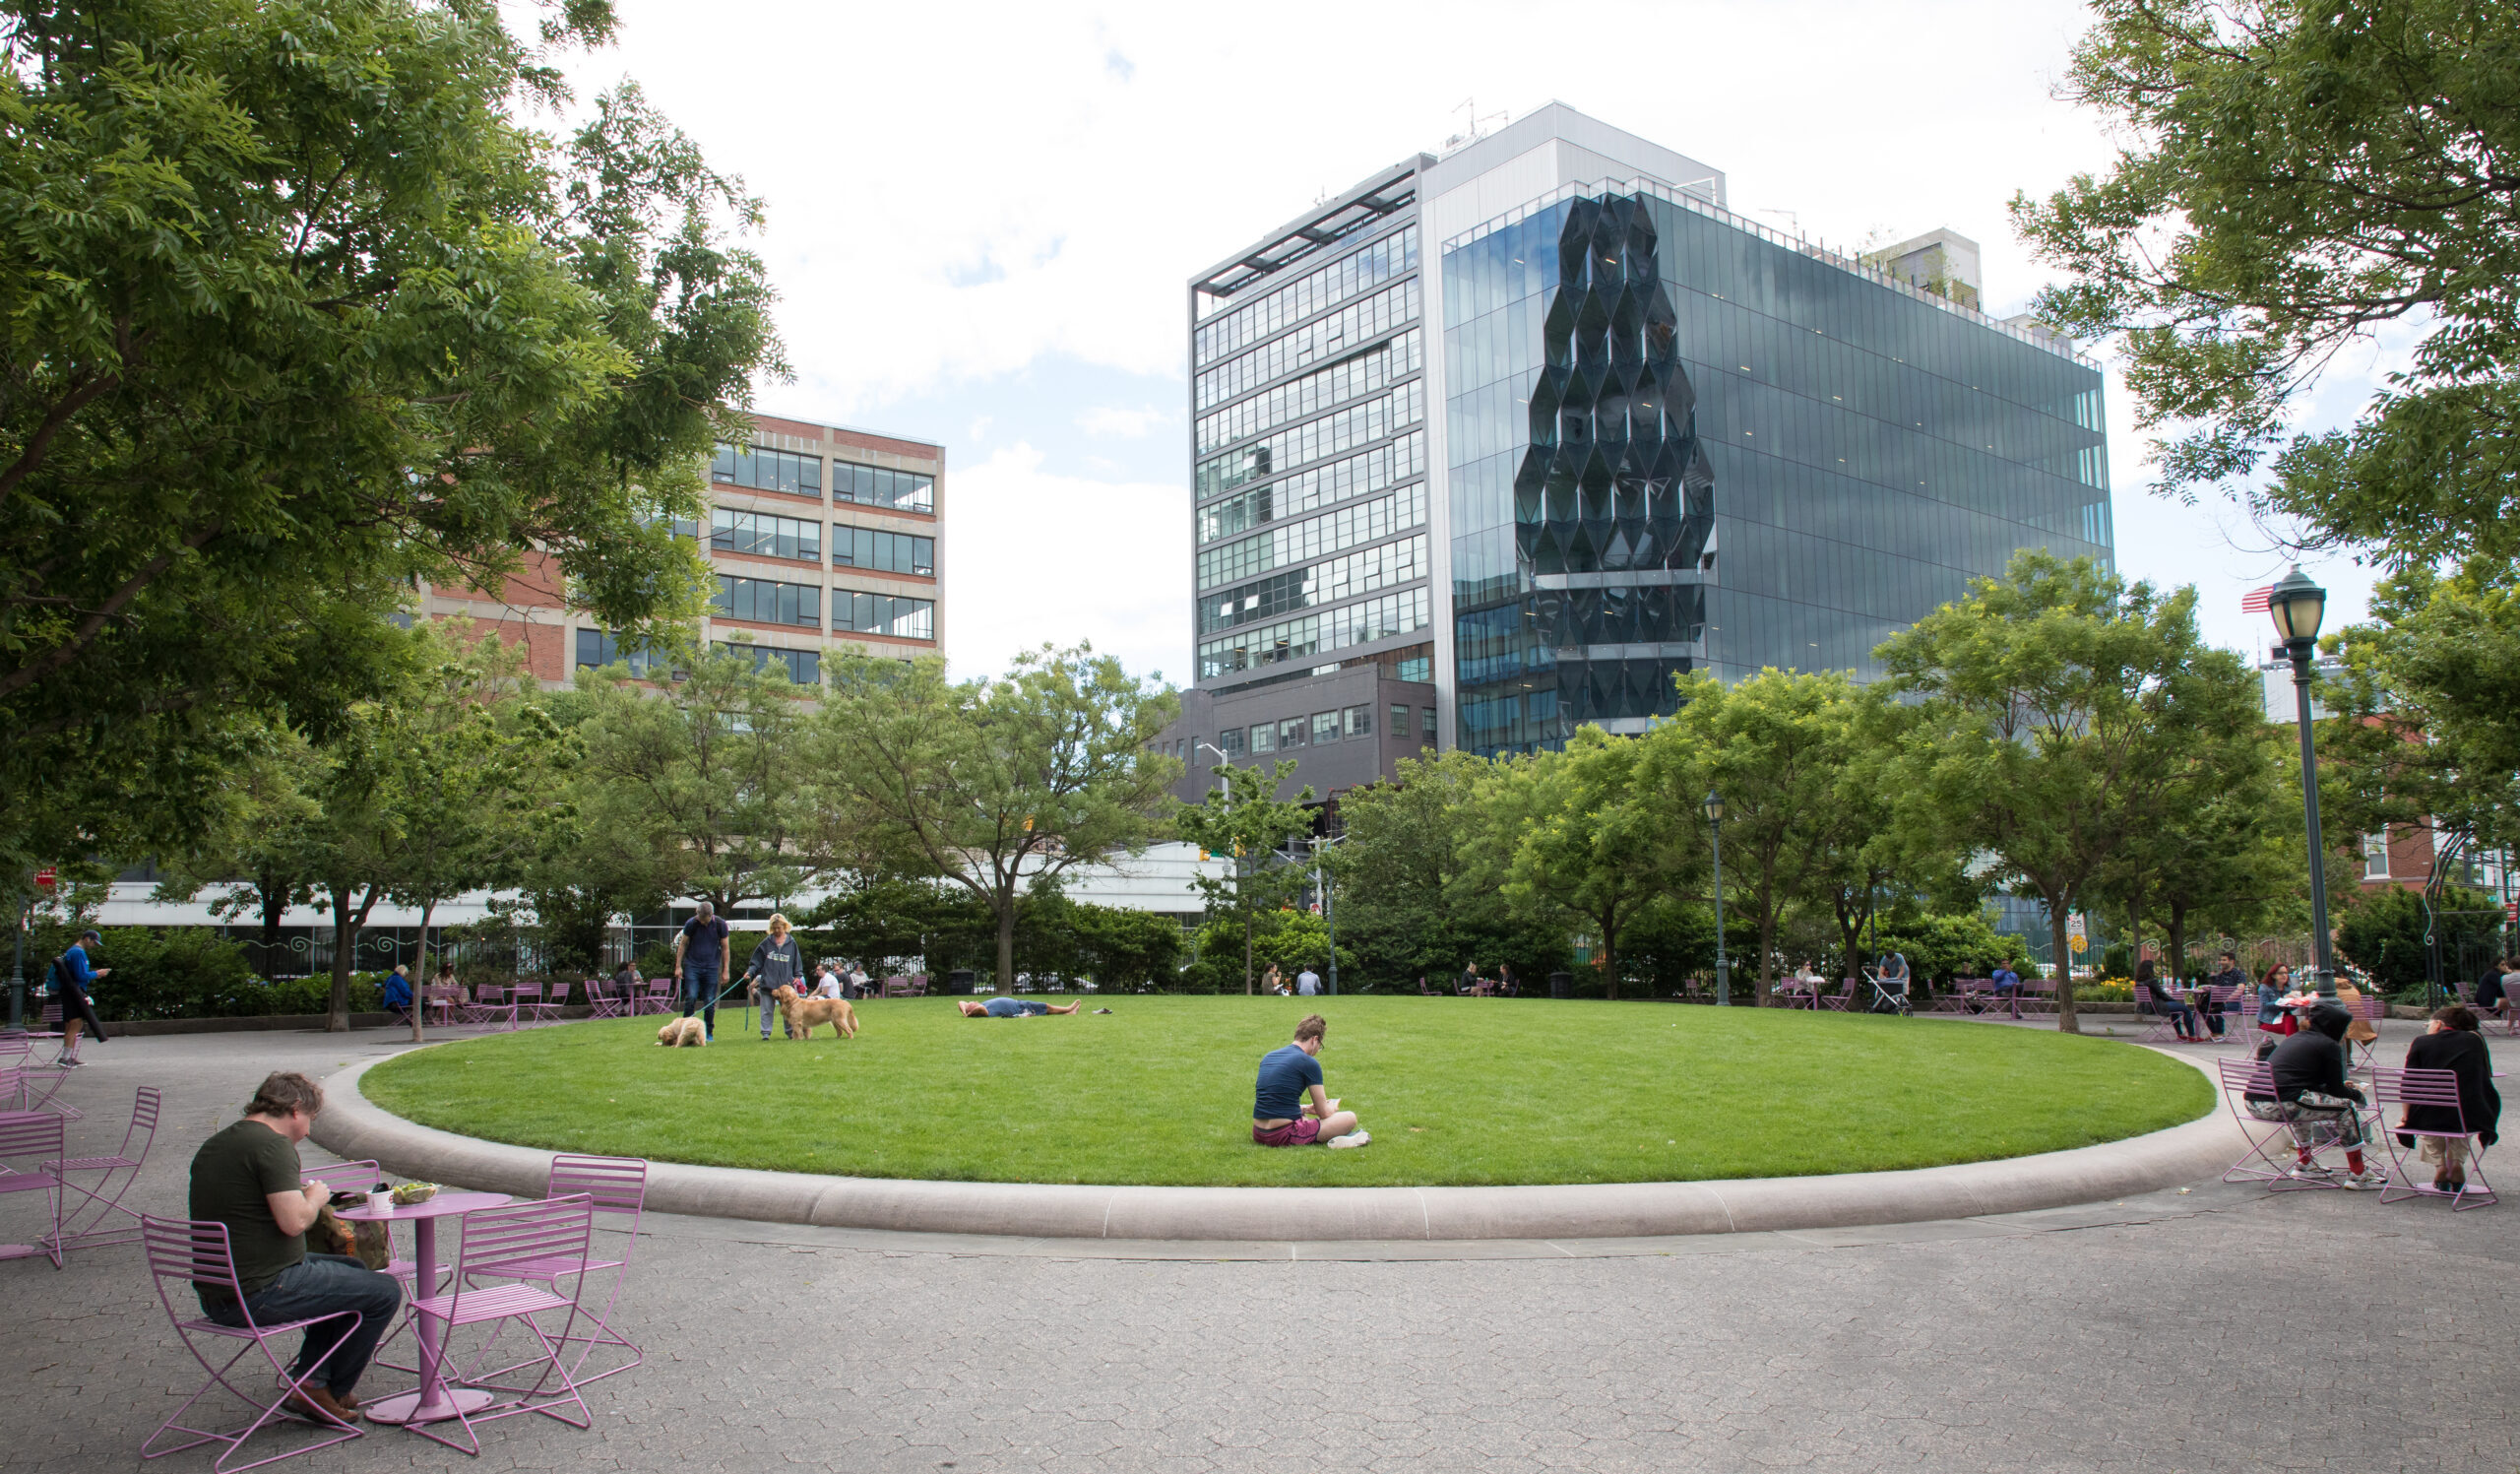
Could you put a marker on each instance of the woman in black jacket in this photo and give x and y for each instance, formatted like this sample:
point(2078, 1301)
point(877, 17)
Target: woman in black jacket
point(2455, 1044)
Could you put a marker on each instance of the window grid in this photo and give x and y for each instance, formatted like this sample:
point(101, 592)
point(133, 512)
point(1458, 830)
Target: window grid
point(1360, 721)
point(803, 667)
point(1315, 292)
point(895, 553)
point(1317, 440)
point(1377, 619)
point(883, 614)
point(766, 470)
point(1371, 318)
point(875, 487)
point(1322, 583)
point(1300, 542)
point(1313, 392)
point(598, 648)
point(765, 602)
point(765, 534)
point(1294, 495)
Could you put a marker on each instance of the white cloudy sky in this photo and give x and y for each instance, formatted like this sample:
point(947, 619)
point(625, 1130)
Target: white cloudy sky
point(982, 218)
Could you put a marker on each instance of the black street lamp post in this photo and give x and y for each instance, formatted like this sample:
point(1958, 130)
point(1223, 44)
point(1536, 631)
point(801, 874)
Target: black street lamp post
point(1714, 806)
point(2297, 605)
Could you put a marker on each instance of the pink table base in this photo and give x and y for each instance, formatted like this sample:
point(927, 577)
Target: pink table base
point(435, 1401)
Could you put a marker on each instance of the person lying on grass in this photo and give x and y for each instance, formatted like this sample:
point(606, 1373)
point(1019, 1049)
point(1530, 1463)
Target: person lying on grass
point(1013, 1009)
point(1282, 1116)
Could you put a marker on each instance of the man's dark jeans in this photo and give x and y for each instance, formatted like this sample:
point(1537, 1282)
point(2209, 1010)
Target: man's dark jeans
point(322, 1283)
point(700, 991)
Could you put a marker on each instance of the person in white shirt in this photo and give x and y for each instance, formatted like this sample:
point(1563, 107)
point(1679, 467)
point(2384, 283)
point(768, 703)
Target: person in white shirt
point(826, 984)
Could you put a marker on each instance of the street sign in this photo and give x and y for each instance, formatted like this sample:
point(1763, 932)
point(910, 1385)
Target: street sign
point(2078, 943)
point(46, 878)
point(2077, 932)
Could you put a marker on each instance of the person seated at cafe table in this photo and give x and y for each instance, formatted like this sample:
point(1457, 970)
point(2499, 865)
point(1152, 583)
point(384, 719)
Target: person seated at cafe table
point(2153, 998)
point(246, 1177)
point(2273, 987)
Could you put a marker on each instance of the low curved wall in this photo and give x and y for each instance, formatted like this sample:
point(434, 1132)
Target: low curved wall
point(354, 1127)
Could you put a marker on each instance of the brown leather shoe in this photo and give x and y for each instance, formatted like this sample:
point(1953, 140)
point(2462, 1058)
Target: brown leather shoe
point(319, 1405)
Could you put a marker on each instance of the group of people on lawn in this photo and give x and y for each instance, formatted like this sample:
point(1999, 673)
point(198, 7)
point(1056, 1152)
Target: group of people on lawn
point(778, 961)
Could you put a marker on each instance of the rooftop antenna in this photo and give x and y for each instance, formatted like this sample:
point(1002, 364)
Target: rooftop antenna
point(1790, 215)
point(1472, 131)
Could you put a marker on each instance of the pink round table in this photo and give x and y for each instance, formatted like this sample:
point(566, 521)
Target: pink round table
point(435, 1401)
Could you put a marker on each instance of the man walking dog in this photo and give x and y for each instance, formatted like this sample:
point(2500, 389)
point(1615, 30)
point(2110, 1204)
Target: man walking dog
point(699, 952)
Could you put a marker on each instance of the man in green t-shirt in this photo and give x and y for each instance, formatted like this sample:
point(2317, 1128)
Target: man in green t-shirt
point(246, 1177)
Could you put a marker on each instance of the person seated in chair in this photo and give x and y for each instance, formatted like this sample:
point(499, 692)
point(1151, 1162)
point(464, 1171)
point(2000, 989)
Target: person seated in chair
point(2153, 998)
point(246, 1177)
point(2454, 1044)
point(2309, 1086)
point(397, 993)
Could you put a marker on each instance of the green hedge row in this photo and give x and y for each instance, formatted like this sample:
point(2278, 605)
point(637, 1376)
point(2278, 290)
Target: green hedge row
point(187, 972)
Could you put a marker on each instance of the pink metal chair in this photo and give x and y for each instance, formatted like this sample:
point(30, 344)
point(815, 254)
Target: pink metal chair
point(532, 1006)
point(659, 999)
point(2270, 1143)
point(1842, 998)
point(604, 1001)
point(617, 1189)
point(187, 1253)
point(896, 987)
point(490, 1005)
point(34, 1138)
point(2161, 1026)
point(2363, 1055)
point(498, 1242)
point(94, 1226)
point(2436, 1088)
point(919, 985)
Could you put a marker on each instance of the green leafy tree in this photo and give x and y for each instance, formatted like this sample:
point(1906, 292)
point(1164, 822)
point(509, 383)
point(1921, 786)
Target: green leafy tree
point(705, 786)
point(2293, 178)
point(2390, 931)
point(1245, 821)
point(2428, 703)
point(1406, 906)
point(2221, 849)
point(1120, 948)
point(2056, 708)
point(1776, 747)
point(298, 312)
point(991, 786)
point(1577, 834)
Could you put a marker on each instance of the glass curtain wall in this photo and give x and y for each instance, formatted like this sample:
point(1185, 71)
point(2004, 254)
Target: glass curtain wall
point(1676, 443)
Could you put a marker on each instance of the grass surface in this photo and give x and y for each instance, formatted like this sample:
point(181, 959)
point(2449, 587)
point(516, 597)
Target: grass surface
point(1455, 1091)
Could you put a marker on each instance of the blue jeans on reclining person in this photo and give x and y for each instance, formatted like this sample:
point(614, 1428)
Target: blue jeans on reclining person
point(321, 1284)
point(700, 993)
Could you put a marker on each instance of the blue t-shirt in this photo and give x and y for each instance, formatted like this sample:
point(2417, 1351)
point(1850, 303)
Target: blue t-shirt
point(1285, 1074)
point(1016, 1007)
point(2007, 979)
point(75, 970)
point(704, 943)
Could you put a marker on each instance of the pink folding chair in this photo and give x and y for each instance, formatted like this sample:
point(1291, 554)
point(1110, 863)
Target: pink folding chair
point(1841, 999)
point(2362, 1054)
point(490, 1005)
point(2270, 1143)
point(2439, 1089)
point(94, 1226)
point(497, 1244)
point(187, 1253)
point(659, 999)
point(603, 1003)
point(617, 1189)
point(531, 1006)
point(33, 1139)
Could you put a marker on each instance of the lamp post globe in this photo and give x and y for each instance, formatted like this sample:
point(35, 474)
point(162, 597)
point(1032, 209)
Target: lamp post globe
point(2297, 607)
point(1714, 806)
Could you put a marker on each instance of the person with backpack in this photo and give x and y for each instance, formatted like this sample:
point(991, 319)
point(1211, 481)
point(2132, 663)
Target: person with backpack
point(72, 977)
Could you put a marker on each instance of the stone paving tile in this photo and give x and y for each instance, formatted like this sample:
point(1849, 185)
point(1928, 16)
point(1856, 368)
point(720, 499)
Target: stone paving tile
point(2219, 1330)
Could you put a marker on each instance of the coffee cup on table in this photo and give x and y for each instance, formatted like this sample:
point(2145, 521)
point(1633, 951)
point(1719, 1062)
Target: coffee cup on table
point(380, 1200)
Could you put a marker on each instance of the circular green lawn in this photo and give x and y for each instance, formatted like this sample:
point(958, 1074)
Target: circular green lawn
point(1159, 1091)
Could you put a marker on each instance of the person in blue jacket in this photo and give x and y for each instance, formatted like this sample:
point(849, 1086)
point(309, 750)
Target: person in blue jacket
point(72, 977)
point(397, 996)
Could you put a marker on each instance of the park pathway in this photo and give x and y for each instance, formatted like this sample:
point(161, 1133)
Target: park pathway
point(2207, 1330)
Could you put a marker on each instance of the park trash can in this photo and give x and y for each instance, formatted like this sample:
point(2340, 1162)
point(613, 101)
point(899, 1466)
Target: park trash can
point(958, 981)
point(1561, 984)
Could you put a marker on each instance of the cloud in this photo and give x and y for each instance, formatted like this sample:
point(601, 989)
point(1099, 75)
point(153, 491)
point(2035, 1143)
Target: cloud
point(1032, 556)
point(1127, 424)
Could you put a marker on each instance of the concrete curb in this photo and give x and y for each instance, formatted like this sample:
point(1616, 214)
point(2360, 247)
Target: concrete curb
point(355, 1128)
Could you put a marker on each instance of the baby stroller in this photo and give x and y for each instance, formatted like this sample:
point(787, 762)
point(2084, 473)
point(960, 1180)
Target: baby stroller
point(1889, 996)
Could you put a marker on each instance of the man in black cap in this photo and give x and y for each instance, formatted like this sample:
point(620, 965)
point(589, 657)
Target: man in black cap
point(2316, 1103)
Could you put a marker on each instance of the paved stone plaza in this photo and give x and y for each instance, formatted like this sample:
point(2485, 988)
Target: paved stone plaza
point(2213, 1329)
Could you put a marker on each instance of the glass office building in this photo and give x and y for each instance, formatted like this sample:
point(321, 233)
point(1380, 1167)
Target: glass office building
point(1539, 425)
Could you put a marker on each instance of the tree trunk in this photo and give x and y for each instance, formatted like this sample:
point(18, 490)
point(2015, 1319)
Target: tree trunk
point(2177, 939)
point(274, 898)
point(1247, 987)
point(1767, 951)
point(419, 1007)
point(1609, 958)
point(346, 925)
point(2065, 1021)
point(1006, 944)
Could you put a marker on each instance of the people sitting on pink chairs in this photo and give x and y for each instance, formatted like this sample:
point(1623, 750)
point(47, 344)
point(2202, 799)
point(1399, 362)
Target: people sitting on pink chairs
point(2454, 1044)
point(2308, 1069)
point(2151, 997)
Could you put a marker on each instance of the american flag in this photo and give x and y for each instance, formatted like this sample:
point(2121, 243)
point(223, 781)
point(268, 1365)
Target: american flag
point(2257, 601)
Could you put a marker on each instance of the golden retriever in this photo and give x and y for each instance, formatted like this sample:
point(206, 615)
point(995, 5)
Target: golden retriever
point(682, 1033)
point(803, 1015)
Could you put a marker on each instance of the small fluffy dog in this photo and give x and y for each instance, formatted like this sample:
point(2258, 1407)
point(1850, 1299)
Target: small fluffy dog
point(682, 1033)
point(803, 1015)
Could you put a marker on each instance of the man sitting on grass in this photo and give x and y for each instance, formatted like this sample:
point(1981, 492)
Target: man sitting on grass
point(1281, 1115)
point(1013, 1009)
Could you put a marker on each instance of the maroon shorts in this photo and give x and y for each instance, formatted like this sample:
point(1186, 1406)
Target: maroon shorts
point(1305, 1131)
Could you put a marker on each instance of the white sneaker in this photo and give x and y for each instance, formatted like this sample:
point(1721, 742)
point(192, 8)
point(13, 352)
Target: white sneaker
point(2362, 1182)
point(2312, 1171)
point(1358, 1137)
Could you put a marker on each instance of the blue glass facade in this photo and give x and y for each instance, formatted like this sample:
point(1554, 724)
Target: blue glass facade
point(1673, 443)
